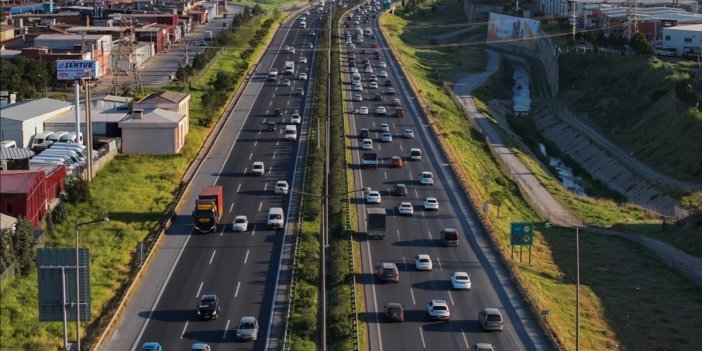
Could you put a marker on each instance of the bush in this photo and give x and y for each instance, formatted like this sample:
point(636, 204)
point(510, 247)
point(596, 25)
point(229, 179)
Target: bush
point(23, 246)
point(78, 190)
point(685, 92)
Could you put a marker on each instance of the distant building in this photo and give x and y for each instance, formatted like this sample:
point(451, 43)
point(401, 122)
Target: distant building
point(31, 193)
point(106, 113)
point(20, 121)
point(154, 131)
point(684, 39)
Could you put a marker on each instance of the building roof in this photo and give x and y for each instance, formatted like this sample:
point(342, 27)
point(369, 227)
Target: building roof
point(652, 13)
point(8, 54)
point(87, 37)
point(7, 222)
point(96, 29)
point(15, 153)
point(18, 181)
point(165, 97)
point(153, 117)
point(688, 28)
point(107, 109)
point(26, 110)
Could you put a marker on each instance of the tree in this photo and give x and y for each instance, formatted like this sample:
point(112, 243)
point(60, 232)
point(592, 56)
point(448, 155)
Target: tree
point(7, 252)
point(78, 190)
point(497, 198)
point(23, 246)
point(640, 44)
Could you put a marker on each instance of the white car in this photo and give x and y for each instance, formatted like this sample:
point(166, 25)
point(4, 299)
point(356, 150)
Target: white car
point(291, 50)
point(422, 263)
point(386, 137)
point(286, 82)
point(303, 76)
point(408, 133)
point(373, 197)
point(383, 74)
point(373, 85)
point(438, 309)
point(426, 178)
point(381, 110)
point(396, 102)
point(369, 69)
point(240, 224)
point(354, 70)
point(367, 144)
point(258, 168)
point(363, 110)
point(281, 187)
point(302, 59)
point(358, 97)
point(382, 64)
point(460, 281)
point(296, 118)
point(431, 204)
point(358, 87)
point(384, 127)
point(406, 208)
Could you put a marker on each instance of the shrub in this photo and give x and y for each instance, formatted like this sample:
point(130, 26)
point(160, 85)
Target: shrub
point(23, 246)
point(78, 190)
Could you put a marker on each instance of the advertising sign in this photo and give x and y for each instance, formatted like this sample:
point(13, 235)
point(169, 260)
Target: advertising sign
point(76, 69)
point(516, 30)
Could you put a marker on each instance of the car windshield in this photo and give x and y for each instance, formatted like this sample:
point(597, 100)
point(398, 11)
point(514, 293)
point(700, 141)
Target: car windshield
point(240, 220)
point(424, 260)
point(440, 308)
point(207, 304)
point(461, 277)
point(247, 325)
point(494, 318)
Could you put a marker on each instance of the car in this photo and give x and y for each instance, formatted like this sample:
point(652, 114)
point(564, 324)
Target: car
point(302, 59)
point(481, 346)
point(373, 197)
point(247, 329)
point(431, 204)
point(384, 127)
point(271, 126)
point(426, 178)
point(422, 262)
point(291, 50)
point(364, 133)
point(415, 154)
point(240, 224)
point(449, 237)
point(278, 112)
point(367, 144)
point(151, 346)
point(286, 47)
point(286, 82)
point(310, 46)
point(258, 168)
point(363, 110)
point(373, 85)
point(208, 308)
point(369, 69)
point(400, 189)
point(281, 187)
point(357, 97)
point(302, 76)
point(380, 110)
point(354, 69)
point(358, 87)
point(408, 134)
point(396, 102)
point(388, 272)
point(383, 74)
point(378, 97)
point(382, 64)
point(460, 281)
point(300, 91)
point(396, 162)
point(373, 78)
point(390, 91)
point(200, 346)
point(388, 83)
point(350, 45)
point(490, 318)
point(438, 309)
point(406, 208)
point(394, 312)
point(295, 118)
point(374, 46)
point(386, 137)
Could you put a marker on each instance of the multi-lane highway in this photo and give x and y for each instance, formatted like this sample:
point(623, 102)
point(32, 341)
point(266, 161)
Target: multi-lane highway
point(409, 236)
point(241, 268)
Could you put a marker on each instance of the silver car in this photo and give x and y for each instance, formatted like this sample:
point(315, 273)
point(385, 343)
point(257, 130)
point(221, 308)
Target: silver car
point(248, 329)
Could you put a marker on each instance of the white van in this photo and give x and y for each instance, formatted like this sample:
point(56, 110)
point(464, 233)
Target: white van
point(39, 138)
point(79, 148)
point(70, 138)
point(276, 219)
point(291, 132)
point(415, 154)
point(55, 137)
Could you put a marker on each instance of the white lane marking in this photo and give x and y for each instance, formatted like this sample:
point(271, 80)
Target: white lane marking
point(246, 258)
point(404, 262)
point(250, 156)
point(222, 232)
point(236, 291)
point(232, 205)
point(212, 257)
point(270, 103)
point(255, 142)
point(197, 294)
point(253, 231)
point(184, 327)
point(259, 131)
point(438, 261)
point(465, 340)
point(424, 345)
point(379, 147)
point(274, 155)
point(398, 235)
point(226, 328)
point(270, 169)
point(386, 175)
point(411, 177)
point(259, 206)
point(429, 234)
point(238, 188)
point(416, 194)
point(277, 143)
point(414, 302)
point(246, 170)
point(265, 187)
point(423, 214)
point(451, 298)
point(401, 148)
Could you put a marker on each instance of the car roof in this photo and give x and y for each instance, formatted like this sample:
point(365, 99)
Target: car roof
point(460, 273)
point(491, 310)
point(389, 265)
point(422, 256)
point(394, 305)
point(208, 297)
point(248, 319)
point(438, 302)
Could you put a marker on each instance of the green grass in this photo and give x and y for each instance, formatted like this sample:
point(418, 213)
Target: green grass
point(615, 315)
point(135, 191)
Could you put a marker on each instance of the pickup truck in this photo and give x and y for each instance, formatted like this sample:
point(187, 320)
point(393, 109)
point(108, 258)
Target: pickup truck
point(369, 160)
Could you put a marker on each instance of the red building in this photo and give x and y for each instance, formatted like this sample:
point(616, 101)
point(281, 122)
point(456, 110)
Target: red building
point(28, 193)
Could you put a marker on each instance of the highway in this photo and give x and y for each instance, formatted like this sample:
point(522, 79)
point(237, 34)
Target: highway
point(241, 268)
point(409, 236)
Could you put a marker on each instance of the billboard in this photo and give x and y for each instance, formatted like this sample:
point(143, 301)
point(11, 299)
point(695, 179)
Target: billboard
point(76, 69)
point(515, 30)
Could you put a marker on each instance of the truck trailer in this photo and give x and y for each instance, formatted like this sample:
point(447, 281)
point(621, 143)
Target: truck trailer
point(289, 67)
point(376, 223)
point(208, 209)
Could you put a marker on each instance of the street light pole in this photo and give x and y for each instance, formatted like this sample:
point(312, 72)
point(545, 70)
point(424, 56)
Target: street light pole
point(104, 219)
point(577, 289)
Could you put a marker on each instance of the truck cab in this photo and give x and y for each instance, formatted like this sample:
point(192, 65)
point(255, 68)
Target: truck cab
point(208, 209)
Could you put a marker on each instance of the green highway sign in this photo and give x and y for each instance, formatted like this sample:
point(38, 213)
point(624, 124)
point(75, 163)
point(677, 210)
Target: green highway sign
point(522, 234)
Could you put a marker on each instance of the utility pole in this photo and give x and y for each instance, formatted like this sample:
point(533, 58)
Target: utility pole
point(574, 18)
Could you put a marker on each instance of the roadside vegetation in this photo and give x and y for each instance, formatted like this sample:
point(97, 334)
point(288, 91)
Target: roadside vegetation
point(625, 291)
point(135, 192)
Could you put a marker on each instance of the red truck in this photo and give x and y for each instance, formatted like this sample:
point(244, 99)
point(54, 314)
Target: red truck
point(208, 209)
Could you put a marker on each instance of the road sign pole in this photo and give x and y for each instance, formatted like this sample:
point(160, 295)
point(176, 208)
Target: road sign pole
point(65, 317)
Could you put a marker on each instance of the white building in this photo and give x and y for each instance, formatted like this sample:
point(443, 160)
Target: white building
point(106, 113)
point(153, 131)
point(20, 121)
point(683, 38)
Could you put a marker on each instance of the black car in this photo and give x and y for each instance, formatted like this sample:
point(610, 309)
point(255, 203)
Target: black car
point(388, 83)
point(364, 133)
point(394, 312)
point(401, 189)
point(278, 112)
point(208, 308)
point(270, 126)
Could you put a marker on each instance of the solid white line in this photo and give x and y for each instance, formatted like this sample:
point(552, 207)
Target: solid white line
point(226, 328)
point(232, 206)
point(424, 345)
point(199, 289)
point(259, 206)
point(438, 261)
point(250, 156)
point(246, 258)
point(414, 302)
point(236, 292)
point(465, 340)
point(181, 333)
point(212, 257)
point(238, 188)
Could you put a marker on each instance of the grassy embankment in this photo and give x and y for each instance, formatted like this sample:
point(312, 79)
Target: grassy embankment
point(135, 191)
point(625, 292)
